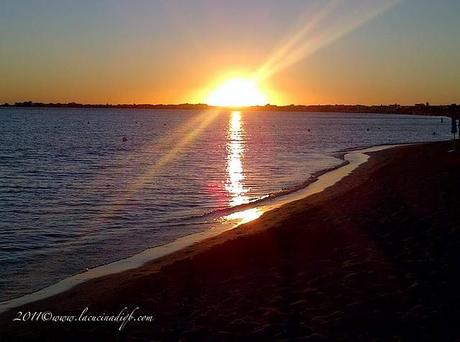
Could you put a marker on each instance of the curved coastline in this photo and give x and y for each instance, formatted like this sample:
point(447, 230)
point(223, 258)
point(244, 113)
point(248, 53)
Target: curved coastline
point(317, 183)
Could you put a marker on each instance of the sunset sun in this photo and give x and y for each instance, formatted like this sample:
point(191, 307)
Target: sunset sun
point(238, 92)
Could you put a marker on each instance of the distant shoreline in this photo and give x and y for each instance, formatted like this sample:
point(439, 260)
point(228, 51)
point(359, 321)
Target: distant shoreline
point(418, 109)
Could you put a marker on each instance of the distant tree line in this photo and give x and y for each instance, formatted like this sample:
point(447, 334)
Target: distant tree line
point(419, 109)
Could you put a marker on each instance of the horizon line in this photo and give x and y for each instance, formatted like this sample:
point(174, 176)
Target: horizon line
point(200, 104)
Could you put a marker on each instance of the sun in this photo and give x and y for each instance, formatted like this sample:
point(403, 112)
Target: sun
point(237, 92)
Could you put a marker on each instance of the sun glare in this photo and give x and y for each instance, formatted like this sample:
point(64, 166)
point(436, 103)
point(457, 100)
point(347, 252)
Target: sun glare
point(237, 92)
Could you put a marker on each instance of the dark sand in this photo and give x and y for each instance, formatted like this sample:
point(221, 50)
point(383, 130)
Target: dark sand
point(375, 256)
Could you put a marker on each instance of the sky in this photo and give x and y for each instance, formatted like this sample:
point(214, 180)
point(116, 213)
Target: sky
point(178, 51)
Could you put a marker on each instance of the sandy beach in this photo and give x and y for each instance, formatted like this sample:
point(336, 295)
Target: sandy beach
point(373, 257)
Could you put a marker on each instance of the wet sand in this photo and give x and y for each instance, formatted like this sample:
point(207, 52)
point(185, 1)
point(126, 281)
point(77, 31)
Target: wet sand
point(374, 256)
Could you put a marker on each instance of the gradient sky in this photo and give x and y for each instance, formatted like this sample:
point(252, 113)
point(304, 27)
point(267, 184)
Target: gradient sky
point(175, 51)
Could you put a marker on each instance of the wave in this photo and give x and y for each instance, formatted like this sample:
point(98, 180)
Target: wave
point(269, 197)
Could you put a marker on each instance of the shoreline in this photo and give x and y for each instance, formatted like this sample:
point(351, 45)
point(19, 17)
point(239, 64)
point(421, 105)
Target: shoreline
point(430, 110)
point(369, 258)
point(317, 182)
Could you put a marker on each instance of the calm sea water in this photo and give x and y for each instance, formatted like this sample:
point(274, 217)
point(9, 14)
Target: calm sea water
point(84, 187)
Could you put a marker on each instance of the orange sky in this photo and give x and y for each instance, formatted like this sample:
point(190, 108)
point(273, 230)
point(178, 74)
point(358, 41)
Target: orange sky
point(307, 52)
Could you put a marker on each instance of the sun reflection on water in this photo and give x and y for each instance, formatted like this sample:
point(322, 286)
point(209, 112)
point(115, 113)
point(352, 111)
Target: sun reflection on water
point(246, 215)
point(235, 151)
point(235, 171)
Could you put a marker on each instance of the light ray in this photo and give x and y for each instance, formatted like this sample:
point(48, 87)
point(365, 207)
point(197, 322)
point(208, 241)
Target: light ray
point(175, 151)
point(336, 19)
point(294, 40)
point(195, 127)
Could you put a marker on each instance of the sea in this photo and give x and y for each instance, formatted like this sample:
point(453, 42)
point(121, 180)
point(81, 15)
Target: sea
point(80, 188)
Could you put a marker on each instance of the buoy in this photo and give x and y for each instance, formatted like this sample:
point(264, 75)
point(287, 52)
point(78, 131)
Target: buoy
point(125, 139)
